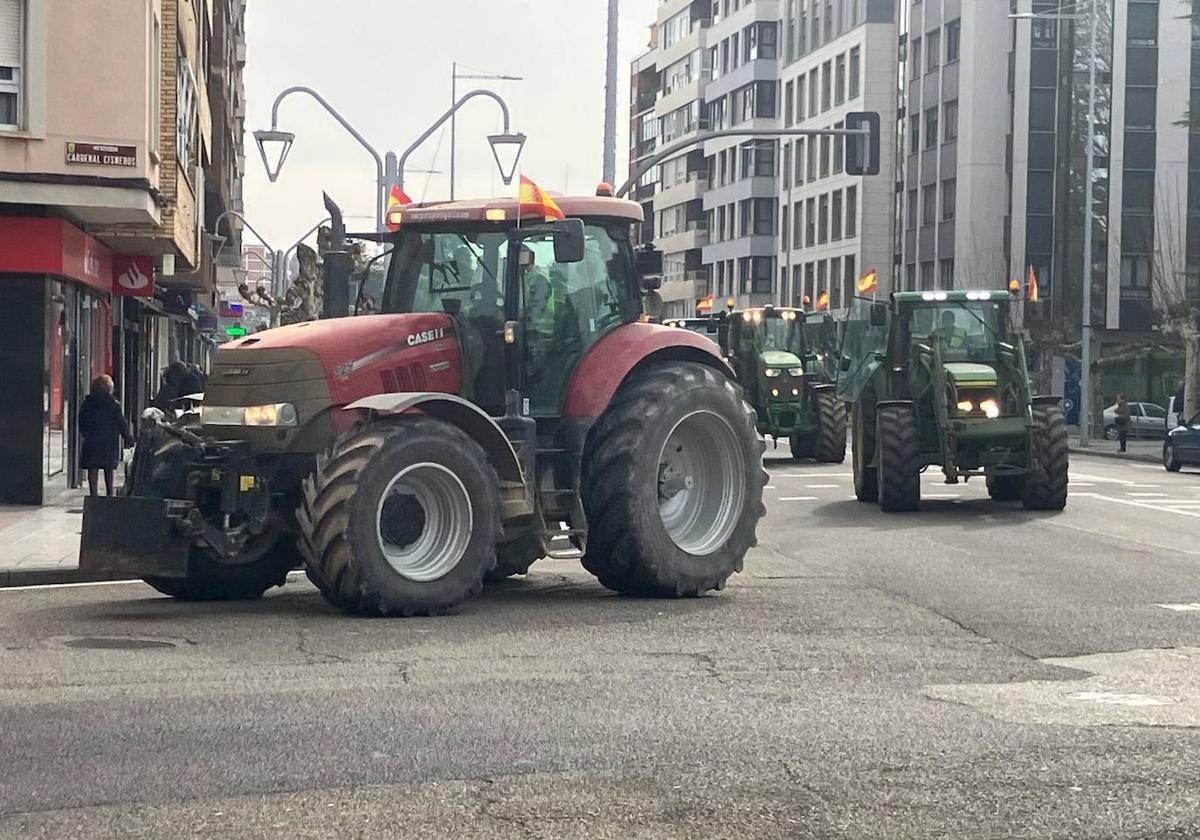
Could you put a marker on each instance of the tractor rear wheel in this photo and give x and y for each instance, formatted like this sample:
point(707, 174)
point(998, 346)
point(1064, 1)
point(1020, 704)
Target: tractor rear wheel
point(1046, 482)
point(831, 436)
point(899, 450)
point(1006, 488)
point(672, 483)
point(267, 561)
point(801, 446)
point(401, 518)
point(866, 478)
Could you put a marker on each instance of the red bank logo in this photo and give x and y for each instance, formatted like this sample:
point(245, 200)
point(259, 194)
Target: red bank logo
point(133, 275)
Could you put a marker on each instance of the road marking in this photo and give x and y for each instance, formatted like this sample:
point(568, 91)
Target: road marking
point(1193, 607)
point(68, 585)
point(768, 486)
point(1150, 495)
point(1114, 698)
point(797, 498)
point(818, 475)
point(1135, 503)
point(1075, 483)
point(820, 486)
point(941, 495)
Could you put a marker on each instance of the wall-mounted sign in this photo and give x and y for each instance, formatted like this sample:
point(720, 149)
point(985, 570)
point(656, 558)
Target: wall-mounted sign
point(133, 275)
point(99, 154)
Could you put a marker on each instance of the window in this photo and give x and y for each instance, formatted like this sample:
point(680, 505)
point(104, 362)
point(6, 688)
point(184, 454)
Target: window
point(950, 121)
point(810, 290)
point(933, 50)
point(676, 29)
point(949, 191)
point(185, 119)
point(812, 158)
point(910, 277)
point(810, 220)
point(761, 274)
point(839, 80)
point(914, 58)
point(912, 209)
point(823, 219)
point(1041, 109)
point(1135, 273)
point(825, 156)
point(953, 34)
point(946, 274)
point(801, 144)
point(850, 280)
point(851, 212)
point(931, 127)
point(1143, 24)
point(768, 40)
point(797, 227)
point(785, 175)
point(826, 81)
point(720, 234)
point(835, 283)
point(927, 279)
point(914, 132)
point(828, 21)
point(839, 146)
point(835, 217)
point(928, 204)
point(800, 99)
point(1140, 108)
point(787, 104)
point(816, 26)
point(1137, 192)
point(813, 101)
point(735, 56)
point(758, 159)
point(785, 228)
point(758, 217)
point(822, 276)
point(802, 33)
point(855, 72)
point(12, 37)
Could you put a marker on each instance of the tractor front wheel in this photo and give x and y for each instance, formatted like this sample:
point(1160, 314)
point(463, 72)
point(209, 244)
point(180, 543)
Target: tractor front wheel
point(801, 446)
point(899, 447)
point(1046, 483)
point(866, 478)
point(401, 518)
point(831, 437)
point(672, 483)
point(265, 564)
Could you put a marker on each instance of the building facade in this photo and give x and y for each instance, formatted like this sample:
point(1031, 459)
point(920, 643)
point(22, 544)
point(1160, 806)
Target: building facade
point(107, 178)
point(838, 57)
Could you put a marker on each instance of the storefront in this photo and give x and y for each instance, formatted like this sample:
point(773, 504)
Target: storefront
point(59, 332)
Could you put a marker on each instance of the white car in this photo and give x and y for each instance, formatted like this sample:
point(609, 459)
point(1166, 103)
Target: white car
point(1146, 420)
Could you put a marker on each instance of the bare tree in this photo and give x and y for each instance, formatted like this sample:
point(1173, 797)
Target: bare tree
point(1175, 285)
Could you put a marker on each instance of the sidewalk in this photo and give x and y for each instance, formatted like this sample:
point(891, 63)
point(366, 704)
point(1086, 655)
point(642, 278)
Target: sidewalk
point(1142, 451)
point(40, 545)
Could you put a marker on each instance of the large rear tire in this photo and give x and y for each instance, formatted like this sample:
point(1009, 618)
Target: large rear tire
point(1046, 482)
point(801, 446)
point(672, 483)
point(401, 518)
point(1006, 488)
point(209, 579)
point(899, 450)
point(831, 437)
point(866, 478)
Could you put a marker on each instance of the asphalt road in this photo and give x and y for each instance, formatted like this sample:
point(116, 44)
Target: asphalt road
point(969, 671)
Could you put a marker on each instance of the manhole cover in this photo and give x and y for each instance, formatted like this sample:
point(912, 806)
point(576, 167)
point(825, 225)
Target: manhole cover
point(110, 643)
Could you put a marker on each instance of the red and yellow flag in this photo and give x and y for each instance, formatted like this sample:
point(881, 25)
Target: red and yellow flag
point(823, 299)
point(397, 198)
point(533, 200)
point(705, 304)
point(868, 283)
point(1031, 286)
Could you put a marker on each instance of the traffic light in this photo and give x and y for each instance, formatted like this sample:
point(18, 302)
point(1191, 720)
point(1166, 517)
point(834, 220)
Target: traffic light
point(862, 152)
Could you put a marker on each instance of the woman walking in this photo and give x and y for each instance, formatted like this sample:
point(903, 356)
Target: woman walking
point(103, 426)
point(1122, 422)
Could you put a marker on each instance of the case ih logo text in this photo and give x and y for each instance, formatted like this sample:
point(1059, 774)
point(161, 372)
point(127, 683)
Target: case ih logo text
point(426, 336)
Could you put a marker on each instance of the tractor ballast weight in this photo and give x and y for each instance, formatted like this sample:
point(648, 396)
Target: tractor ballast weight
point(941, 378)
point(508, 385)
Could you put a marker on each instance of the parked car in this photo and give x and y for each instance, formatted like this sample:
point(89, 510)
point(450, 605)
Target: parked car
point(1182, 446)
point(1146, 420)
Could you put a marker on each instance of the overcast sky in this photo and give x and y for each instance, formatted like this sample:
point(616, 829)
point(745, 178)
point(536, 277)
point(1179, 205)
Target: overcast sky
point(386, 65)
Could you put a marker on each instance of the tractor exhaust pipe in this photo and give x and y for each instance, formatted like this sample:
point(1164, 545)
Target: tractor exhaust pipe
point(338, 265)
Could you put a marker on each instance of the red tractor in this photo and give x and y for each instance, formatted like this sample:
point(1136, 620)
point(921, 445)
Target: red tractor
point(508, 391)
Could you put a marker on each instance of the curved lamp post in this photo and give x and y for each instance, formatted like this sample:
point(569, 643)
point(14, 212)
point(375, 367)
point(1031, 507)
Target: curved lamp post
point(506, 146)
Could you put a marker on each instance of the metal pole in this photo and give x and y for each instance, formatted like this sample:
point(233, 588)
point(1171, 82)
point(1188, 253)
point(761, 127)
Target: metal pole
point(453, 122)
point(610, 97)
point(1085, 361)
point(438, 123)
point(380, 185)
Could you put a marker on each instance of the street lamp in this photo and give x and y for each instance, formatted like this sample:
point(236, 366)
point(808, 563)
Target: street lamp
point(1085, 327)
point(506, 149)
point(265, 138)
point(454, 77)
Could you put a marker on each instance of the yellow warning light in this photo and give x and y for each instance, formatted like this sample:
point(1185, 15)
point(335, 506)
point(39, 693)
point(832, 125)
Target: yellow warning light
point(495, 214)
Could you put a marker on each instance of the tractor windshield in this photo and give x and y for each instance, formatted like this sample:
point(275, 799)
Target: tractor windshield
point(447, 271)
point(774, 333)
point(969, 329)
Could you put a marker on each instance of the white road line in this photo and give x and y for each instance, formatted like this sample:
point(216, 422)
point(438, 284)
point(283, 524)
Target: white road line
point(821, 486)
point(68, 585)
point(817, 475)
point(1150, 495)
point(941, 495)
point(1193, 607)
point(1054, 523)
point(1135, 503)
point(1075, 483)
point(797, 498)
point(772, 486)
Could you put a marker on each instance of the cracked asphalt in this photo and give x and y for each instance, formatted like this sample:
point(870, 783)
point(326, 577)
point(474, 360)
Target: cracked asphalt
point(969, 671)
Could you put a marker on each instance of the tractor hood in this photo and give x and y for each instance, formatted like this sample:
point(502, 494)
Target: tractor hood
point(779, 358)
point(344, 338)
point(970, 374)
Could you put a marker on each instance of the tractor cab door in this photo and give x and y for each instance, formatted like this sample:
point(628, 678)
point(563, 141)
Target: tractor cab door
point(863, 344)
point(566, 307)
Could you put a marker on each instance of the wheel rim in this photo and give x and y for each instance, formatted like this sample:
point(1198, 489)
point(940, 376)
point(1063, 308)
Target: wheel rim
point(423, 522)
point(701, 482)
point(1168, 459)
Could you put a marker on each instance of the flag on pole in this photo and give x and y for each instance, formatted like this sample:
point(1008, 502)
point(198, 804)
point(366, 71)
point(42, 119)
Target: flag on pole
point(705, 304)
point(1031, 286)
point(533, 200)
point(823, 299)
point(868, 283)
point(397, 198)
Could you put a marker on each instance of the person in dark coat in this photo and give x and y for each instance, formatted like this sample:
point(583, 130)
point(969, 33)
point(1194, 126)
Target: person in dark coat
point(174, 380)
point(195, 381)
point(103, 426)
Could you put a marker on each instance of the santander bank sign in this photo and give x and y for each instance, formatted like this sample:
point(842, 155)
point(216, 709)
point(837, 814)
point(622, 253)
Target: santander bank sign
point(133, 275)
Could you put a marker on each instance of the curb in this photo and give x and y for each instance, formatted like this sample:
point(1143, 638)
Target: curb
point(1091, 452)
point(48, 575)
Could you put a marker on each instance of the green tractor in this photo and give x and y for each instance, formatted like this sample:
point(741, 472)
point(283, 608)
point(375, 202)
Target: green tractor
point(941, 378)
point(783, 361)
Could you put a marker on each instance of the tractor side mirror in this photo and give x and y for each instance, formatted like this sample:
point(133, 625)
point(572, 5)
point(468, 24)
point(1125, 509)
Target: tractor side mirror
point(649, 262)
point(568, 241)
point(879, 315)
point(844, 365)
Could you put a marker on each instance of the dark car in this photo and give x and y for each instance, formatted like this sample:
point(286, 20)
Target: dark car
point(1182, 447)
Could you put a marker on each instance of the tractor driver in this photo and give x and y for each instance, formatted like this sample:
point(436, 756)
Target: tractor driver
point(950, 332)
point(552, 333)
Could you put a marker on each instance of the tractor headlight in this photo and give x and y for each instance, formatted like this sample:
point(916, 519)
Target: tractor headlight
point(274, 414)
point(990, 407)
point(966, 406)
point(774, 392)
point(798, 371)
point(773, 373)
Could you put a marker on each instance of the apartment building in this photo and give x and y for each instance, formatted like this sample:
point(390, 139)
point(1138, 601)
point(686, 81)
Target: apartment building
point(107, 177)
point(739, 195)
point(838, 57)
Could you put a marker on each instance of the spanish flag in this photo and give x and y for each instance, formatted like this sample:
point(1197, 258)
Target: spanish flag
point(535, 201)
point(1031, 286)
point(397, 198)
point(867, 283)
point(705, 304)
point(823, 299)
